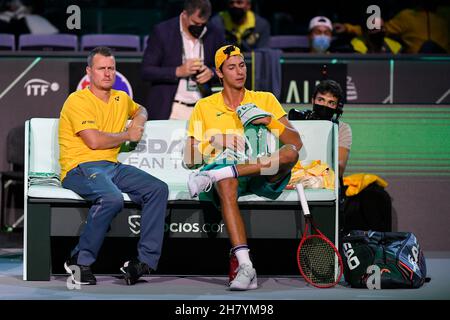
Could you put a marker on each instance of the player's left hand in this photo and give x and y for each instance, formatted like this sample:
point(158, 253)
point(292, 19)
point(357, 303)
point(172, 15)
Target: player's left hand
point(265, 121)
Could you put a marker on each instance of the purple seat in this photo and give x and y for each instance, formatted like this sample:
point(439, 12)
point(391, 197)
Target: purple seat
point(290, 43)
point(48, 42)
point(7, 41)
point(118, 42)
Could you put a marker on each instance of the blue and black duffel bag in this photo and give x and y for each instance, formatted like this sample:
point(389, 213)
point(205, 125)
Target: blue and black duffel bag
point(383, 260)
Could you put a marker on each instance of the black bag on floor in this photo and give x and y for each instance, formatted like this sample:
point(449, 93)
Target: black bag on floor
point(371, 209)
point(383, 260)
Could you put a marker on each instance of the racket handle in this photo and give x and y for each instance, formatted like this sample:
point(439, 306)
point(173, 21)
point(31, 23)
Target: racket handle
point(302, 197)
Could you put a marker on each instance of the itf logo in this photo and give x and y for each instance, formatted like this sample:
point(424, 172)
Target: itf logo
point(39, 87)
point(121, 83)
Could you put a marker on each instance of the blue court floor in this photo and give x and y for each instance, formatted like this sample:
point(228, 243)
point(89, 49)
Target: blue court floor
point(12, 286)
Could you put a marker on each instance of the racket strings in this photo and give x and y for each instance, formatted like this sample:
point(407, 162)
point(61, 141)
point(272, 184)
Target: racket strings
point(317, 261)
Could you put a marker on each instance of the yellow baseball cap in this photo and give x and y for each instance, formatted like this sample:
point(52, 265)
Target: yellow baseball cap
point(225, 52)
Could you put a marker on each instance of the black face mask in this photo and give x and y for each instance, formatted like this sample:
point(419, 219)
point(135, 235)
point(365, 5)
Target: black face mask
point(237, 14)
point(377, 39)
point(196, 31)
point(322, 112)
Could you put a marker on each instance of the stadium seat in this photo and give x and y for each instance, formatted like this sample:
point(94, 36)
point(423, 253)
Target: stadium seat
point(7, 41)
point(144, 42)
point(48, 42)
point(118, 42)
point(292, 43)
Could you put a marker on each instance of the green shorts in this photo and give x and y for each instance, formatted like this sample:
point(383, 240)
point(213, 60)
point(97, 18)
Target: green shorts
point(257, 185)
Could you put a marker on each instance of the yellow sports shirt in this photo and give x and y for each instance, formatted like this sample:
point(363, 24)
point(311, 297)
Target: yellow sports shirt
point(212, 116)
point(83, 110)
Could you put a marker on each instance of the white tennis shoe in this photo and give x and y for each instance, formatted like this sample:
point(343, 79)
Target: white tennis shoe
point(245, 279)
point(199, 182)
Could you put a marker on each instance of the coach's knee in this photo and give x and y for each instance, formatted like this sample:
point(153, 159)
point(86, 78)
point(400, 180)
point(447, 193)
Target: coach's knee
point(156, 188)
point(113, 202)
point(162, 189)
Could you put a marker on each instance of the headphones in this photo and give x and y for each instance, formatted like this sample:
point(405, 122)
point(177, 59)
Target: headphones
point(339, 108)
point(332, 83)
point(340, 104)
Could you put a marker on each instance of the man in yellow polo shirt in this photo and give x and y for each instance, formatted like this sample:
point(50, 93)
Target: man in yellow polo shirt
point(216, 138)
point(92, 127)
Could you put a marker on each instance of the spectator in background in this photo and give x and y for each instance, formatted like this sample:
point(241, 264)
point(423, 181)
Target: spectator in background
point(179, 60)
point(375, 41)
point(320, 32)
point(17, 19)
point(420, 29)
point(243, 27)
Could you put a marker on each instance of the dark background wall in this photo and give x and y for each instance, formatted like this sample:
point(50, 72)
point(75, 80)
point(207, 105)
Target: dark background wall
point(138, 16)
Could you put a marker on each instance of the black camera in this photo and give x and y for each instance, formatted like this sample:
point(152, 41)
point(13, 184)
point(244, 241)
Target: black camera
point(295, 114)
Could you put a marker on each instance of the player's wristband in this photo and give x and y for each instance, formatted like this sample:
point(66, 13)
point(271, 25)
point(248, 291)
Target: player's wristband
point(276, 127)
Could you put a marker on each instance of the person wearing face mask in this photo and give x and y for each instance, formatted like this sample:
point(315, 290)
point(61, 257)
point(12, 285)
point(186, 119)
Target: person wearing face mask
point(375, 40)
point(178, 61)
point(320, 32)
point(242, 26)
point(328, 105)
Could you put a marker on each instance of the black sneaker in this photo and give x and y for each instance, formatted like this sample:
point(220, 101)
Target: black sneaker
point(134, 269)
point(84, 276)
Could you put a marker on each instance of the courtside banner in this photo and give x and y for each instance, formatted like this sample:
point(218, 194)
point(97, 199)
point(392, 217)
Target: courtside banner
point(128, 79)
point(29, 88)
point(299, 79)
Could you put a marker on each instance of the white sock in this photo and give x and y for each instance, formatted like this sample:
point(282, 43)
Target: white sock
point(243, 257)
point(223, 173)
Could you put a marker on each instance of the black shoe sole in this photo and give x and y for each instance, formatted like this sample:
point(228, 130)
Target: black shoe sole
point(69, 271)
point(128, 278)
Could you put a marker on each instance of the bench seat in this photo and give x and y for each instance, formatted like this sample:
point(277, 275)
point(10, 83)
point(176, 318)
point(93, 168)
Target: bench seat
point(55, 217)
point(180, 192)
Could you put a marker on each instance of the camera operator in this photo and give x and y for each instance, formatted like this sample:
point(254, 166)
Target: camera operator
point(371, 207)
point(328, 105)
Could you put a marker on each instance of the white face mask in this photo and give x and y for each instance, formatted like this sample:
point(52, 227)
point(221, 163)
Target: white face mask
point(321, 43)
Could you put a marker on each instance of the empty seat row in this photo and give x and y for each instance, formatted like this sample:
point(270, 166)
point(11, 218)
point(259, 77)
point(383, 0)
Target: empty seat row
point(119, 42)
point(294, 43)
point(69, 42)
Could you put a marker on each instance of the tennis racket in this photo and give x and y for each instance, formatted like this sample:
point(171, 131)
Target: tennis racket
point(318, 260)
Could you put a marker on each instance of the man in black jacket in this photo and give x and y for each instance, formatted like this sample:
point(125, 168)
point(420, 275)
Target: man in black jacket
point(179, 60)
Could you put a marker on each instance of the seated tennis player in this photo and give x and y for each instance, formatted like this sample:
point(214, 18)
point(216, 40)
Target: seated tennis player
point(228, 137)
point(92, 127)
